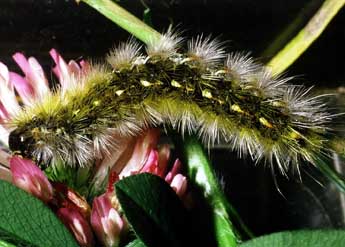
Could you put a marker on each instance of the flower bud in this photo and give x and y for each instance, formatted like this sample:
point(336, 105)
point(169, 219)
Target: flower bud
point(29, 177)
point(174, 171)
point(78, 225)
point(179, 185)
point(106, 221)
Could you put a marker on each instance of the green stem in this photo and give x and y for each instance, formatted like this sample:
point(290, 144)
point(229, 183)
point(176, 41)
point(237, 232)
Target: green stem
point(306, 36)
point(124, 19)
point(201, 174)
point(290, 31)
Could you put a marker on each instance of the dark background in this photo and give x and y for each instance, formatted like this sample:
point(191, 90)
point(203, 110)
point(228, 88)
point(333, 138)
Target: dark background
point(34, 27)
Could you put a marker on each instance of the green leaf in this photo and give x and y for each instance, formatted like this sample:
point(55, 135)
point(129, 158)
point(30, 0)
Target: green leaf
point(28, 221)
point(153, 209)
point(135, 243)
point(305, 238)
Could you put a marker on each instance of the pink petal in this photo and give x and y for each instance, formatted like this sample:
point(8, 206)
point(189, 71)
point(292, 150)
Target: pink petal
point(179, 185)
point(85, 66)
point(4, 133)
point(61, 68)
point(27, 176)
point(3, 113)
point(34, 74)
point(22, 62)
point(4, 74)
point(115, 162)
point(151, 164)
point(8, 99)
point(79, 202)
point(23, 87)
point(4, 129)
point(79, 226)
point(144, 144)
point(164, 156)
point(74, 68)
point(39, 81)
point(175, 169)
point(66, 73)
point(106, 221)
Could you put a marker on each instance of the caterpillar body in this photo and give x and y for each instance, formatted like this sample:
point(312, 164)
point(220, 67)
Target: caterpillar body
point(202, 91)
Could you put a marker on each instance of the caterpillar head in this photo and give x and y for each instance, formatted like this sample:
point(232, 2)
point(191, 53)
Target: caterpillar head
point(48, 145)
point(33, 143)
point(21, 142)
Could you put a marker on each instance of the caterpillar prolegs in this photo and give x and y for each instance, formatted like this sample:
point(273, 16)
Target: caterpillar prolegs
point(202, 91)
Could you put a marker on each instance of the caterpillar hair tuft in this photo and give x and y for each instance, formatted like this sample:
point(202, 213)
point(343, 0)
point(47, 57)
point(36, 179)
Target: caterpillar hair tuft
point(206, 51)
point(166, 46)
point(124, 55)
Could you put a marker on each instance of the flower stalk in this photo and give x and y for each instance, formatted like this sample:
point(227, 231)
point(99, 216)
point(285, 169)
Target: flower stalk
point(306, 36)
point(201, 174)
point(124, 19)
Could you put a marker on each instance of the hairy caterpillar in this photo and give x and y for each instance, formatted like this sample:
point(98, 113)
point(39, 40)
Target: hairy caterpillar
point(202, 91)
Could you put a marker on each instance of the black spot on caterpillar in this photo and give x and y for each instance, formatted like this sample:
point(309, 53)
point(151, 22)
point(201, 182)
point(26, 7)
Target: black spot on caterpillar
point(202, 91)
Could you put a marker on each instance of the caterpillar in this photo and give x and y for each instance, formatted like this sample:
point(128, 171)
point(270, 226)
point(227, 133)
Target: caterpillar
point(201, 90)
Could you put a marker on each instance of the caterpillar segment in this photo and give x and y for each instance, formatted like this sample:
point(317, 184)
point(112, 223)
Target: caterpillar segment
point(203, 91)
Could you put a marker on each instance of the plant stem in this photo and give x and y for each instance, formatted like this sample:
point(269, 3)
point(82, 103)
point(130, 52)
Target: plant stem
point(124, 19)
point(306, 36)
point(201, 174)
point(293, 27)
